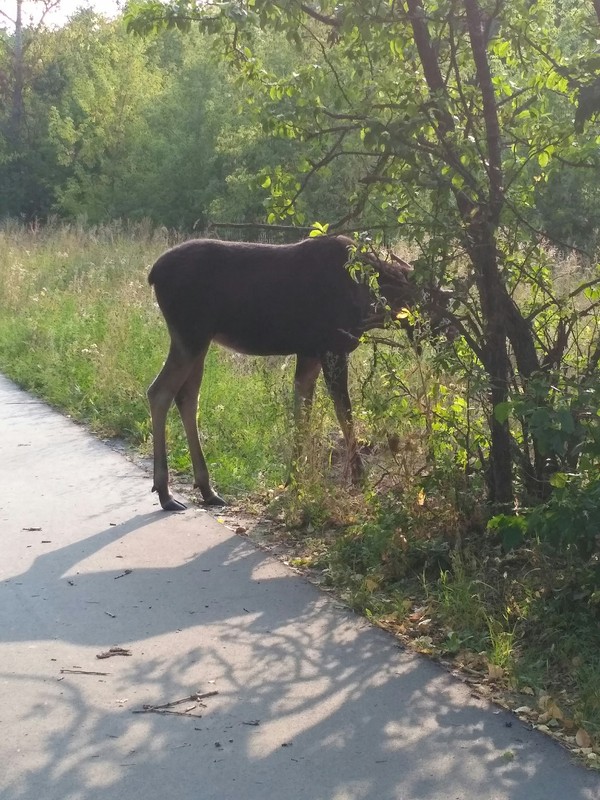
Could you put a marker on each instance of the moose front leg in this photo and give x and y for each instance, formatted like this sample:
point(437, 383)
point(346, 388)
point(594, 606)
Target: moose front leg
point(335, 372)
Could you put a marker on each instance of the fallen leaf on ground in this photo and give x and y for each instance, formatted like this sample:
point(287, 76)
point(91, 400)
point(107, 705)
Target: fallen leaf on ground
point(583, 738)
point(543, 701)
point(475, 661)
point(423, 643)
point(554, 711)
point(495, 672)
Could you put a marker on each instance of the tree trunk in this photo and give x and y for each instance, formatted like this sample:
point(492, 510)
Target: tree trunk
point(481, 244)
point(17, 110)
point(480, 220)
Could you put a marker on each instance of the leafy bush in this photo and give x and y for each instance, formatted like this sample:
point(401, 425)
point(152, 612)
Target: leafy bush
point(567, 528)
point(569, 521)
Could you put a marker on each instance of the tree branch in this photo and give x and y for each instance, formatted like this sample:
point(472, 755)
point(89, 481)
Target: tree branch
point(490, 112)
point(333, 22)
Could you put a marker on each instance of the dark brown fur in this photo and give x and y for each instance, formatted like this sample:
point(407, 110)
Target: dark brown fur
point(262, 300)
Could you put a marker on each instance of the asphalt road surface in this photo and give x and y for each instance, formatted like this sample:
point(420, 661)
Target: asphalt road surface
point(304, 700)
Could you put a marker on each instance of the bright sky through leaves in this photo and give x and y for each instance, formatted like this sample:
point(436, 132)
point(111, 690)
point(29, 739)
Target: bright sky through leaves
point(32, 11)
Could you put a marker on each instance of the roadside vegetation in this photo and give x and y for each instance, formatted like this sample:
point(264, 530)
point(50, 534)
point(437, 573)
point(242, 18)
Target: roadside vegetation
point(413, 552)
point(462, 135)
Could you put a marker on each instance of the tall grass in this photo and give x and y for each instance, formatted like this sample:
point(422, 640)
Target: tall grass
point(77, 324)
point(80, 328)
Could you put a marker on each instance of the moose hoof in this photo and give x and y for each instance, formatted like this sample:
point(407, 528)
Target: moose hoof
point(173, 505)
point(215, 500)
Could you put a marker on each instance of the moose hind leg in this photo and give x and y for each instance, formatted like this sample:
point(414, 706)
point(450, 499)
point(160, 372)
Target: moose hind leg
point(187, 404)
point(305, 379)
point(335, 372)
point(161, 394)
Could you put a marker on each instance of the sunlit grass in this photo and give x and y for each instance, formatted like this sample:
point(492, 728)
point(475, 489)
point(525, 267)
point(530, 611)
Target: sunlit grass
point(80, 328)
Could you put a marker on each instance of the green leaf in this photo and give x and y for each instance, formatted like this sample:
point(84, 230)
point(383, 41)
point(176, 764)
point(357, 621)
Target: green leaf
point(511, 529)
point(567, 423)
point(558, 480)
point(319, 229)
point(503, 411)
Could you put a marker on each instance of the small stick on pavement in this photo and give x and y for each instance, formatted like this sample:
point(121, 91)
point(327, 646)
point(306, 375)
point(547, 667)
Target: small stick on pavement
point(82, 672)
point(114, 651)
point(152, 710)
point(165, 708)
point(192, 697)
point(122, 575)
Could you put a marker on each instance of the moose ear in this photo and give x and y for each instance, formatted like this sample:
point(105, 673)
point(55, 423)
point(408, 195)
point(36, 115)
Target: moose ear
point(401, 263)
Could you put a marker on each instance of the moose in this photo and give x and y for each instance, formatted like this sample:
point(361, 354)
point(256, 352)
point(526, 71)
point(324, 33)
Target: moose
point(265, 299)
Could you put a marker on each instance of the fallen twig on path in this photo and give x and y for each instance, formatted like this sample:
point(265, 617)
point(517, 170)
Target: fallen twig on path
point(166, 708)
point(122, 575)
point(82, 672)
point(153, 710)
point(114, 651)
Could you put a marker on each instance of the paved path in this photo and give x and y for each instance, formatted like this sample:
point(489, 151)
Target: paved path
point(312, 702)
